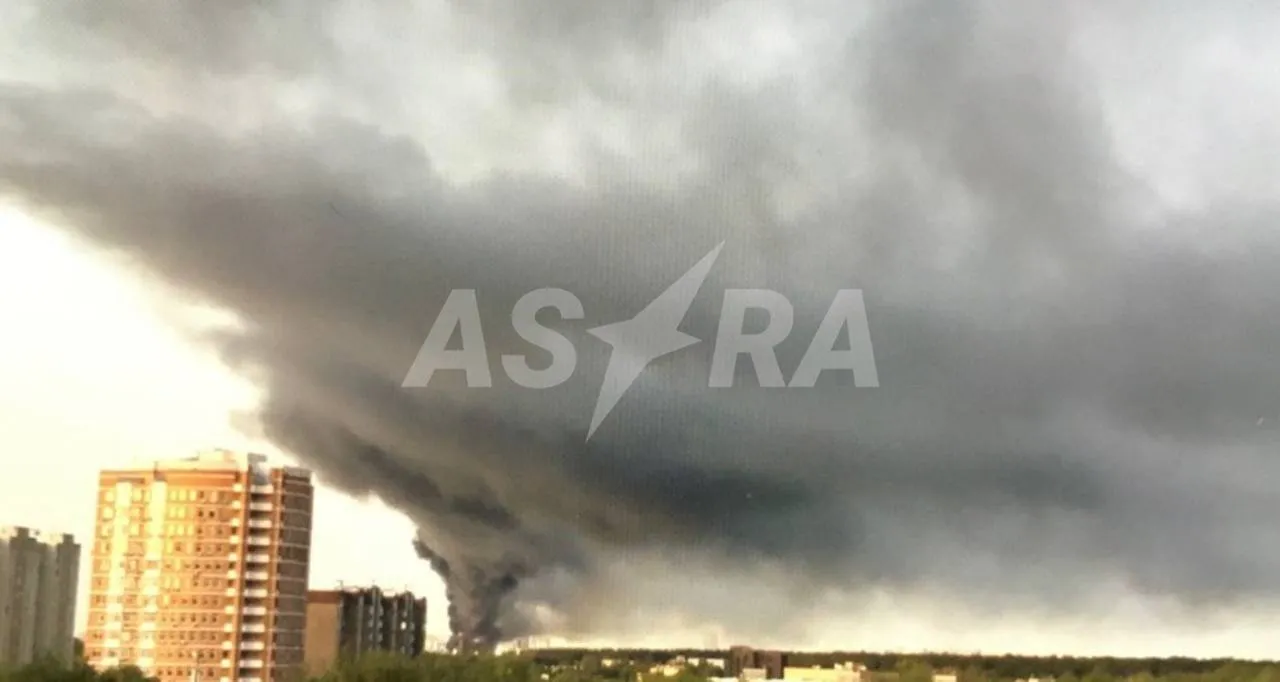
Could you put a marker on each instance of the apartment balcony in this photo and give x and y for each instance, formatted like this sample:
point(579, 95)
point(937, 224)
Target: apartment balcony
point(250, 663)
point(260, 523)
point(253, 646)
point(250, 679)
point(261, 506)
point(259, 541)
point(261, 489)
point(258, 558)
point(256, 594)
point(255, 610)
point(256, 575)
point(253, 628)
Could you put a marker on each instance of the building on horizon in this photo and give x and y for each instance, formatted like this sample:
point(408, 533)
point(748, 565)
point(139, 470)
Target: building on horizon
point(748, 663)
point(200, 569)
point(349, 622)
point(840, 673)
point(39, 573)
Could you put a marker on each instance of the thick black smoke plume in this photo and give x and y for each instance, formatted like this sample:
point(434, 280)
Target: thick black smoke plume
point(1075, 319)
point(475, 601)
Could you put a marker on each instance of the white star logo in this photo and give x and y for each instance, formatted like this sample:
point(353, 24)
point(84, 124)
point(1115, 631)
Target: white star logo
point(651, 334)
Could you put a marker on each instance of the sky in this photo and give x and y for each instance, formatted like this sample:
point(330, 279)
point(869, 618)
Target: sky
point(231, 225)
point(94, 380)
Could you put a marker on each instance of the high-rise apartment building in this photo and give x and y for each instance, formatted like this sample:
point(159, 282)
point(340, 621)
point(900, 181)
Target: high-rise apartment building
point(38, 579)
point(347, 623)
point(200, 569)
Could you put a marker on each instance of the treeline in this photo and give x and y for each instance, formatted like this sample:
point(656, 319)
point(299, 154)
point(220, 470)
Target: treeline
point(372, 668)
point(973, 666)
point(53, 670)
point(633, 666)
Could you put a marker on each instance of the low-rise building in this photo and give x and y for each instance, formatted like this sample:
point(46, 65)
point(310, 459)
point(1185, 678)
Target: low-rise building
point(350, 622)
point(816, 674)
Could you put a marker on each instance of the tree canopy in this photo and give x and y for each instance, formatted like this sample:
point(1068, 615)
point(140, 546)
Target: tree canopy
point(541, 667)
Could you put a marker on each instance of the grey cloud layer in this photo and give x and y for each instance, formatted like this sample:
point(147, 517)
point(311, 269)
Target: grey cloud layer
point(1071, 390)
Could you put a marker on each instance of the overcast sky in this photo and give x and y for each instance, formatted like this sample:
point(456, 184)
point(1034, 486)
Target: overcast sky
point(225, 225)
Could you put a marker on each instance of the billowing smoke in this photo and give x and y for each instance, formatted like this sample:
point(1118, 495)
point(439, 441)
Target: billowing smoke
point(475, 600)
point(1068, 270)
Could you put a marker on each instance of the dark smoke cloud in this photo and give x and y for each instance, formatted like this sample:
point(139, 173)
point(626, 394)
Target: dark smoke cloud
point(1078, 372)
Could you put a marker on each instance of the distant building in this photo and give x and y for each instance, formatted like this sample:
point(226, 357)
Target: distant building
point(838, 674)
point(743, 661)
point(347, 623)
point(773, 662)
point(200, 569)
point(38, 580)
point(738, 659)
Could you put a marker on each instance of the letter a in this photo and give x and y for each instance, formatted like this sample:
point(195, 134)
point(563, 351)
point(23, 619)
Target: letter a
point(460, 311)
point(847, 311)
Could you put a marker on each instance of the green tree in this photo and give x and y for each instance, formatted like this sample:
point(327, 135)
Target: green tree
point(914, 670)
point(1098, 674)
